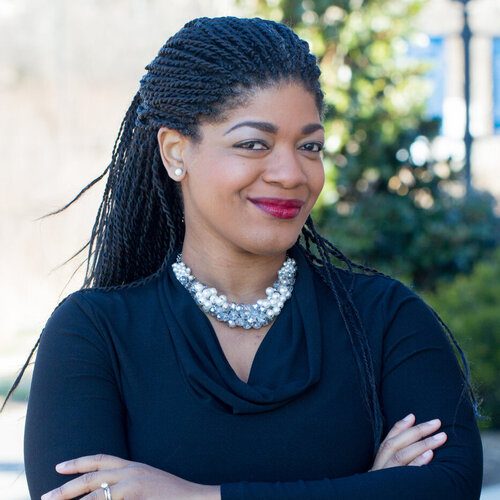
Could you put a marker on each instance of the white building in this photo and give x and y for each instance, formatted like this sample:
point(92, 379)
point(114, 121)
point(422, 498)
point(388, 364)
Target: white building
point(442, 20)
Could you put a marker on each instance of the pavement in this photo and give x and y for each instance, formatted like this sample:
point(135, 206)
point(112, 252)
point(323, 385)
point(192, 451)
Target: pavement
point(491, 493)
point(13, 481)
point(491, 473)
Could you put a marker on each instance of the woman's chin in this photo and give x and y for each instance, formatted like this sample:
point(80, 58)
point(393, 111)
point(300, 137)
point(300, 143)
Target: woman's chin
point(274, 244)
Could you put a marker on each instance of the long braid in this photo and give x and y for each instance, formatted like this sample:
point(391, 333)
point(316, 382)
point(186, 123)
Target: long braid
point(208, 67)
point(354, 326)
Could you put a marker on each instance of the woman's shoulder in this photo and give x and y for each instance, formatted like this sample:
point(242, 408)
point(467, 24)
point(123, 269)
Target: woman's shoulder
point(373, 288)
point(99, 308)
point(380, 300)
point(397, 308)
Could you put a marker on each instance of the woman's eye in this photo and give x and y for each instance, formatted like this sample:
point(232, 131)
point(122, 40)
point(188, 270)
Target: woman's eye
point(252, 145)
point(314, 147)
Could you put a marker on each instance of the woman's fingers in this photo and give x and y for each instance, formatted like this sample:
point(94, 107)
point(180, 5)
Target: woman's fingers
point(403, 445)
point(414, 434)
point(423, 459)
point(131, 480)
point(84, 484)
point(406, 455)
point(116, 493)
point(401, 425)
point(409, 436)
point(91, 463)
point(98, 468)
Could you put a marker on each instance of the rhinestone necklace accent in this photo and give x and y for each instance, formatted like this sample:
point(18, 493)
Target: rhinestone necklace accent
point(234, 314)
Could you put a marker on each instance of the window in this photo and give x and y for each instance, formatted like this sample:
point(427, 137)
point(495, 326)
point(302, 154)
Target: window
point(496, 85)
point(431, 51)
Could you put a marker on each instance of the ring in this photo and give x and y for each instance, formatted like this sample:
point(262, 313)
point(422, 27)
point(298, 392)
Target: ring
point(107, 491)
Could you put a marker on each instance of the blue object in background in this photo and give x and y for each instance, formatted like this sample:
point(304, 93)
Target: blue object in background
point(496, 85)
point(433, 54)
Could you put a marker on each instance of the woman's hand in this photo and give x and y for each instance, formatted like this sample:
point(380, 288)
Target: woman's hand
point(127, 480)
point(407, 445)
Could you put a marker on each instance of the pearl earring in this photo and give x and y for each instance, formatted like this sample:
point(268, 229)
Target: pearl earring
point(178, 171)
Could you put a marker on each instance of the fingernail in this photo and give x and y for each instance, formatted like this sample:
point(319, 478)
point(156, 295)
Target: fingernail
point(61, 466)
point(408, 417)
point(427, 454)
point(433, 422)
point(439, 437)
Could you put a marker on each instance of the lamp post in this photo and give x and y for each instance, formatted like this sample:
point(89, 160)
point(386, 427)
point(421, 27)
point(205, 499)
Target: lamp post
point(466, 38)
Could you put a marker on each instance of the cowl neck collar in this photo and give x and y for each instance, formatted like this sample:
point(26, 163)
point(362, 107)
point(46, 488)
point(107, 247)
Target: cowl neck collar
point(286, 364)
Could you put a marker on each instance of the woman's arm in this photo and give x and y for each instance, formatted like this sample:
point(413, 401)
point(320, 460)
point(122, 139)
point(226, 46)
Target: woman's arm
point(75, 411)
point(74, 406)
point(421, 375)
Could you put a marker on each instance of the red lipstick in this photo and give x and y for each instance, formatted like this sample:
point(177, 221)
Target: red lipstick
point(278, 207)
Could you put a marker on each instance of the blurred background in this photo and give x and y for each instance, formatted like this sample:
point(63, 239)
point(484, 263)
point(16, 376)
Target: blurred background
point(412, 158)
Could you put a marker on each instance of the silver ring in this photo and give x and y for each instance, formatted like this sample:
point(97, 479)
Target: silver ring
point(107, 491)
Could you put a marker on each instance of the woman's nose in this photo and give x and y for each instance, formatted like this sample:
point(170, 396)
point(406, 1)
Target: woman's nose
point(286, 168)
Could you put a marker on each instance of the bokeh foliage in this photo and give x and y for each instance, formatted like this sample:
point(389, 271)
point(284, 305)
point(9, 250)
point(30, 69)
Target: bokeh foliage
point(390, 201)
point(470, 307)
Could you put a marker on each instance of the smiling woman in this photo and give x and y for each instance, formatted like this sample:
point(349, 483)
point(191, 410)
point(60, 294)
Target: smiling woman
point(215, 350)
point(250, 184)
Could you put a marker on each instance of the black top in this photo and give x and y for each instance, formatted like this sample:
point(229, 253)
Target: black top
point(139, 373)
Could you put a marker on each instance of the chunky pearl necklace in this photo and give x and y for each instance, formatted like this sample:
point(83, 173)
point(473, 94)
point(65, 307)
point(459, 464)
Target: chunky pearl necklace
point(244, 315)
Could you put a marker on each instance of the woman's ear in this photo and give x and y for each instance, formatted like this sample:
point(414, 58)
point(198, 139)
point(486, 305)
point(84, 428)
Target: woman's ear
point(171, 143)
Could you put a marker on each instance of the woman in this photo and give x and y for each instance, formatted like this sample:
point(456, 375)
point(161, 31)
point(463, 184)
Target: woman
point(214, 350)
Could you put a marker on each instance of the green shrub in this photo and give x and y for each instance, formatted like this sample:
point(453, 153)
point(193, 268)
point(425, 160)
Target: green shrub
point(420, 246)
point(470, 306)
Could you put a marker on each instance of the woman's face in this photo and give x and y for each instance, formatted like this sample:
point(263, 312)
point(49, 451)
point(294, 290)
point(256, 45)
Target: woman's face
point(251, 182)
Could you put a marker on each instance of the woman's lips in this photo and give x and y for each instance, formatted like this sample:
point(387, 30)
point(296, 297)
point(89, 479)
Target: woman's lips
point(278, 207)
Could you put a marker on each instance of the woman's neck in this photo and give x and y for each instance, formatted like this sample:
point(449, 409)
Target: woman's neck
point(241, 276)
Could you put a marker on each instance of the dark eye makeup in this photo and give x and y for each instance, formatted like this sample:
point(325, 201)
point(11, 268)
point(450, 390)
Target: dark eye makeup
point(313, 147)
point(250, 145)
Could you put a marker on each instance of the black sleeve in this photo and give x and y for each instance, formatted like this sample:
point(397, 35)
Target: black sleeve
point(74, 406)
point(420, 374)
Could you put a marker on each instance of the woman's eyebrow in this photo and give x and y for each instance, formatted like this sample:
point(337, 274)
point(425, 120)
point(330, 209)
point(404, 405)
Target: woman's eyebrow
point(273, 129)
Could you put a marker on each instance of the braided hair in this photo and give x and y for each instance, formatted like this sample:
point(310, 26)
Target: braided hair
point(208, 67)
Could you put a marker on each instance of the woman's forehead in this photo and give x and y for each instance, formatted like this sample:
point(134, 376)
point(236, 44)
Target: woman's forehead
point(272, 105)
